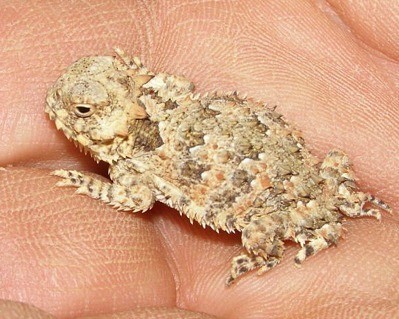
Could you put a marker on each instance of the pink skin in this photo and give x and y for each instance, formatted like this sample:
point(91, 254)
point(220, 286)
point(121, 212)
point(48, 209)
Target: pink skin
point(72, 256)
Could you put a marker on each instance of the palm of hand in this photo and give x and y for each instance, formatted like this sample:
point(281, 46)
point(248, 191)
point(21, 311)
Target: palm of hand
point(71, 255)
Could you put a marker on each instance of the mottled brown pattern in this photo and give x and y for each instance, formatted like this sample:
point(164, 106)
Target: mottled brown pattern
point(223, 160)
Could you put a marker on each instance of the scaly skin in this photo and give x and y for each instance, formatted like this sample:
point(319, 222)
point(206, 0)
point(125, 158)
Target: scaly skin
point(223, 160)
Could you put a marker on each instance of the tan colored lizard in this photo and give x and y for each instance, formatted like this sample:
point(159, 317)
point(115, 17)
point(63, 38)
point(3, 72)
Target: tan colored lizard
point(223, 160)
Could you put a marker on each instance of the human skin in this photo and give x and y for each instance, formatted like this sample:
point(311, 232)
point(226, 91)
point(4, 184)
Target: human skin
point(331, 68)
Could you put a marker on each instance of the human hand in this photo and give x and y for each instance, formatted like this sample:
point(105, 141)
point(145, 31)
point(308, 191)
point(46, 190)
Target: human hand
point(73, 256)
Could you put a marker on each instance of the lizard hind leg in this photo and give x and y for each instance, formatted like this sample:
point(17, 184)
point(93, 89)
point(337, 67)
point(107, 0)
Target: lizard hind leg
point(340, 179)
point(242, 264)
point(261, 239)
point(319, 239)
point(355, 202)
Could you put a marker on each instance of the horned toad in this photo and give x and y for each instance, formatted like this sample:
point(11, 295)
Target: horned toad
point(223, 160)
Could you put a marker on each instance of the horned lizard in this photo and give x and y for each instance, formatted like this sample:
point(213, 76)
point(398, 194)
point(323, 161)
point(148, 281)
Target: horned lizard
point(223, 160)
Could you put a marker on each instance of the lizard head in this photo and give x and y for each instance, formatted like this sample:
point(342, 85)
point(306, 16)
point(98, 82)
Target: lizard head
point(95, 103)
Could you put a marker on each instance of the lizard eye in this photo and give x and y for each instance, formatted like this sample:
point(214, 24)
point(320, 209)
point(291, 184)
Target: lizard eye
point(84, 110)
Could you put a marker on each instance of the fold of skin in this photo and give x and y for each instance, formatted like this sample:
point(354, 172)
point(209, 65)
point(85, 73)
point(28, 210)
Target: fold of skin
point(332, 70)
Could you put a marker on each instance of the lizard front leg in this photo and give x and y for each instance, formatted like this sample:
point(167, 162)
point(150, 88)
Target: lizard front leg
point(134, 198)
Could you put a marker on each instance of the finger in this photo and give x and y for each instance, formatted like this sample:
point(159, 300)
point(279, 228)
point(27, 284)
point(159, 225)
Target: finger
point(154, 312)
point(16, 310)
point(375, 25)
point(71, 255)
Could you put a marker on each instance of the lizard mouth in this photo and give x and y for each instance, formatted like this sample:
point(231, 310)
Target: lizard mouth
point(70, 134)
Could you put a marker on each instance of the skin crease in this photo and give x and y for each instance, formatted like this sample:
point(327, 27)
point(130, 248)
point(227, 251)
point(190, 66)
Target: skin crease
point(329, 68)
